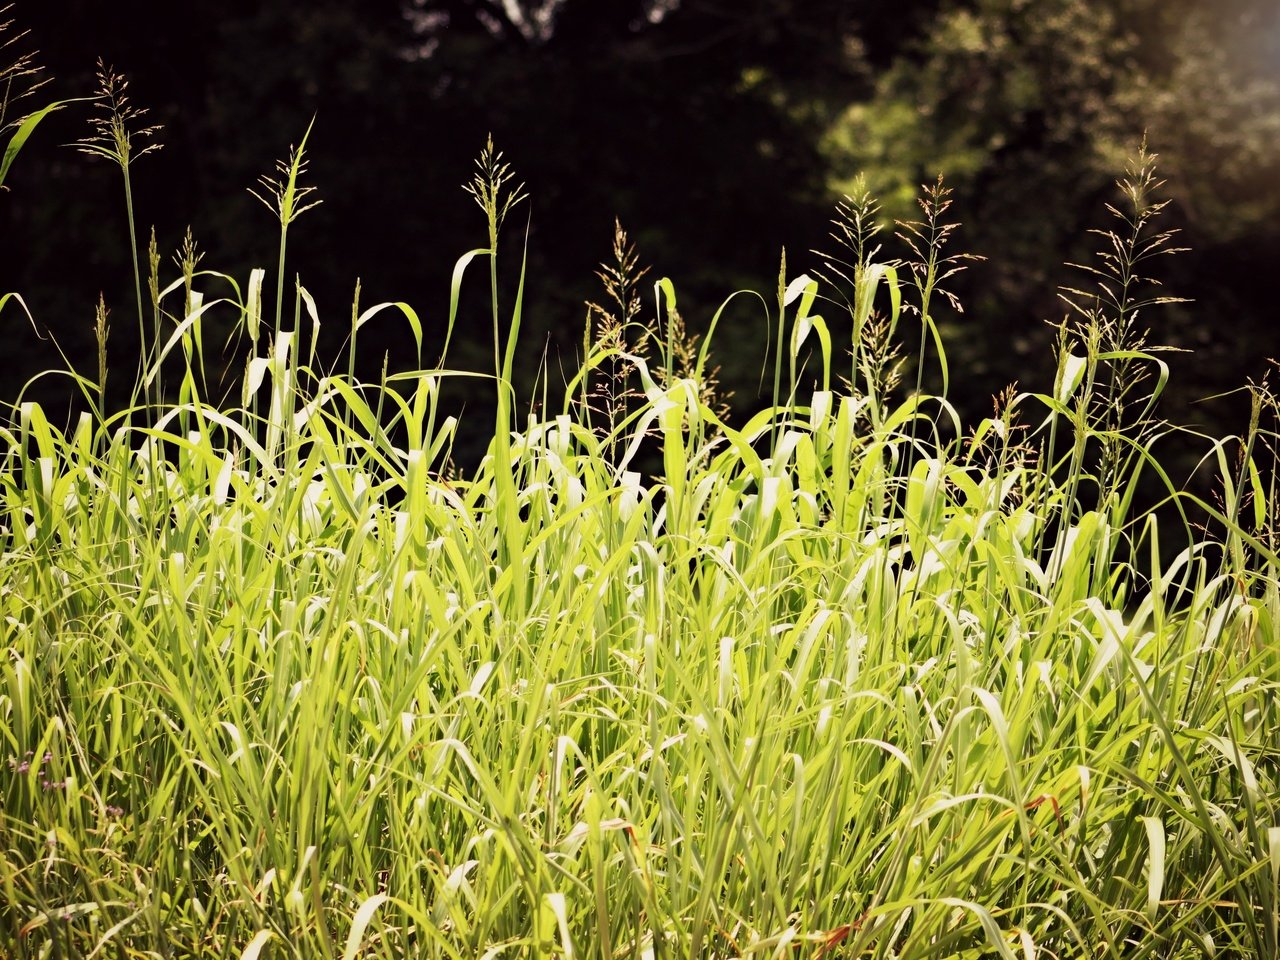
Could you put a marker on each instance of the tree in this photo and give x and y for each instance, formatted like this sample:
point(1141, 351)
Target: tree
point(1030, 109)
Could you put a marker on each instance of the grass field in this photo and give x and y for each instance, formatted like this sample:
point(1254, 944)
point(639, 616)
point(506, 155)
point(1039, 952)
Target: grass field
point(850, 679)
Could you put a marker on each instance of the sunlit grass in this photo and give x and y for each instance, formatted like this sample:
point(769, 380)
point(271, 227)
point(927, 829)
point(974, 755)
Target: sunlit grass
point(849, 679)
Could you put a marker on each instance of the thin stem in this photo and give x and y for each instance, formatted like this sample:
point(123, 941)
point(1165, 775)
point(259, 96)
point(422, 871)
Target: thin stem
point(284, 232)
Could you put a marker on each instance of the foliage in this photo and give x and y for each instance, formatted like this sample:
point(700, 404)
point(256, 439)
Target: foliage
point(845, 680)
point(21, 76)
point(725, 127)
point(1028, 107)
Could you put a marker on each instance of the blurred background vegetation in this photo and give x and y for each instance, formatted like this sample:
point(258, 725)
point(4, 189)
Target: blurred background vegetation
point(717, 131)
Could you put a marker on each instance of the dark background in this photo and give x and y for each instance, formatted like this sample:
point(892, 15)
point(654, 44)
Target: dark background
point(718, 131)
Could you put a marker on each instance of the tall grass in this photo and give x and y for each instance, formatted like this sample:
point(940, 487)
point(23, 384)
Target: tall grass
point(849, 679)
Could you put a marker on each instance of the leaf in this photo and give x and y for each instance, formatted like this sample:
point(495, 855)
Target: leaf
point(803, 284)
point(1073, 369)
point(360, 922)
point(176, 337)
point(255, 946)
point(289, 209)
point(553, 918)
point(1155, 864)
point(668, 289)
point(26, 128)
point(995, 936)
point(258, 367)
point(455, 291)
point(25, 309)
point(253, 309)
point(409, 314)
point(1273, 854)
point(1260, 500)
point(310, 304)
point(800, 333)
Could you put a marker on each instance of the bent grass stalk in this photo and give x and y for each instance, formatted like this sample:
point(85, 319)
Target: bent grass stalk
point(844, 681)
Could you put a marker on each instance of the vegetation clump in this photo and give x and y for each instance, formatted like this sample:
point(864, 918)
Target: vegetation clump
point(850, 679)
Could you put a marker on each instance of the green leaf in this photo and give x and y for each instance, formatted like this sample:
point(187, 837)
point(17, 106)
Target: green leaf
point(455, 294)
point(360, 922)
point(24, 131)
point(1072, 373)
point(254, 949)
point(409, 314)
point(1155, 864)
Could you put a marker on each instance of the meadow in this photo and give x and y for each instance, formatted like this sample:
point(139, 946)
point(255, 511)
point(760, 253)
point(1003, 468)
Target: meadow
point(852, 678)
